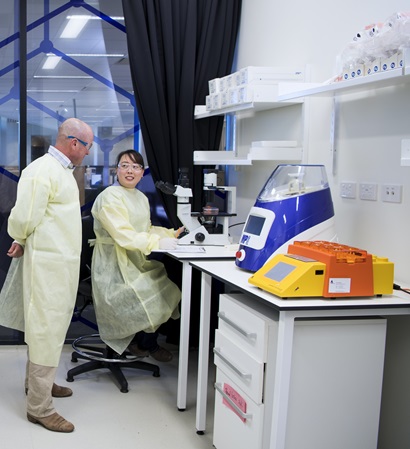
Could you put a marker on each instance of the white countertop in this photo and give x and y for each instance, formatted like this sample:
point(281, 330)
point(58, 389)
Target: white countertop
point(228, 272)
point(202, 252)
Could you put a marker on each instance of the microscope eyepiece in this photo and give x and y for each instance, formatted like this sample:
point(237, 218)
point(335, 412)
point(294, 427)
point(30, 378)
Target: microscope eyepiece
point(165, 187)
point(183, 179)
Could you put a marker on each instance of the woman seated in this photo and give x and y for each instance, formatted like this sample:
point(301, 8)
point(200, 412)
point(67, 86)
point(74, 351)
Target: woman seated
point(132, 295)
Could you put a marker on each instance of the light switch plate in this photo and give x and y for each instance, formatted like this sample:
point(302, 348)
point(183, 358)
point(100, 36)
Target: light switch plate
point(368, 191)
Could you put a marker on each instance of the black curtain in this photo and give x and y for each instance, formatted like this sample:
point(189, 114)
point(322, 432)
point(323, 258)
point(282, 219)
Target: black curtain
point(175, 47)
point(8, 195)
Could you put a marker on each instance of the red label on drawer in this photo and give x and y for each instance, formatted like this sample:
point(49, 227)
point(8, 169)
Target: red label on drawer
point(236, 398)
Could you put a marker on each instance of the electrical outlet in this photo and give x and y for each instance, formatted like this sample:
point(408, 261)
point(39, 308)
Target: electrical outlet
point(391, 193)
point(368, 191)
point(348, 189)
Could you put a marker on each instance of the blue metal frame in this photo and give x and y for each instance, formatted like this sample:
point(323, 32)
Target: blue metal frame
point(5, 172)
point(47, 46)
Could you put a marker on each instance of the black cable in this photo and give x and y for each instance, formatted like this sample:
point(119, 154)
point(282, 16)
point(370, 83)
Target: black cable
point(397, 287)
point(237, 224)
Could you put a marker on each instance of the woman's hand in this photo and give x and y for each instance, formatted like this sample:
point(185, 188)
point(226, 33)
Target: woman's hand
point(168, 243)
point(179, 231)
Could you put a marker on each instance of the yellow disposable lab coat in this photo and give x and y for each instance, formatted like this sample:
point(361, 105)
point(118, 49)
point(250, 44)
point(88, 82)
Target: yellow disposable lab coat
point(131, 293)
point(40, 290)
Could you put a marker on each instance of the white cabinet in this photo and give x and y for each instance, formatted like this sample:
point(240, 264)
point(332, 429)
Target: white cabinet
point(234, 428)
point(334, 388)
point(336, 384)
point(241, 355)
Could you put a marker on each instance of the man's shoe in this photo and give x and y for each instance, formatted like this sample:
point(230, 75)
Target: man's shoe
point(135, 350)
point(161, 354)
point(59, 392)
point(54, 422)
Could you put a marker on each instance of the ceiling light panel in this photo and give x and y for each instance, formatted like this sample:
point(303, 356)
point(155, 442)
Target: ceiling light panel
point(97, 55)
point(62, 77)
point(48, 91)
point(51, 62)
point(74, 26)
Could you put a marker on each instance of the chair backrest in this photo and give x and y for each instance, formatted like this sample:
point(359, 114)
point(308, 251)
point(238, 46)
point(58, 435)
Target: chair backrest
point(84, 292)
point(86, 250)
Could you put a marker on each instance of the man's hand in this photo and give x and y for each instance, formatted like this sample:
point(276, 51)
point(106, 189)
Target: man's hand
point(15, 250)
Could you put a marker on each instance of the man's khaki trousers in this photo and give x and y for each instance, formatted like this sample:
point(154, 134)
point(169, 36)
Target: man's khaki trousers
point(39, 383)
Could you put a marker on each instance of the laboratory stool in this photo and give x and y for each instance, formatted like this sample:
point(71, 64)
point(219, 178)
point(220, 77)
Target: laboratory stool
point(100, 355)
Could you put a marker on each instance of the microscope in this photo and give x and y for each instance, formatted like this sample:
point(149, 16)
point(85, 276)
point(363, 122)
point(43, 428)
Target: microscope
point(211, 225)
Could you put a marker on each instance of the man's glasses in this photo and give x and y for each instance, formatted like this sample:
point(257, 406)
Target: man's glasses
point(81, 141)
point(133, 167)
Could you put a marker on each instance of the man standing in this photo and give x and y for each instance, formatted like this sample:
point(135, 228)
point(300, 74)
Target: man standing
point(39, 293)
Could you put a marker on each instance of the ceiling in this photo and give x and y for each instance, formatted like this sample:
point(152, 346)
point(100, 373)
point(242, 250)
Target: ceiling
point(92, 97)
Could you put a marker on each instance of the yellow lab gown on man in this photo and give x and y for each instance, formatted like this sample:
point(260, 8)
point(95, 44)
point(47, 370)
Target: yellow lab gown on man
point(43, 282)
point(131, 293)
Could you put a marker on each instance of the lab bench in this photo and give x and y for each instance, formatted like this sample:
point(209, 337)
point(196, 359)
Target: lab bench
point(192, 253)
point(295, 373)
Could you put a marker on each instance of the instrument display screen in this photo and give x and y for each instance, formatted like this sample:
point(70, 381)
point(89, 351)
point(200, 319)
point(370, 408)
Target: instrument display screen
point(279, 271)
point(254, 224)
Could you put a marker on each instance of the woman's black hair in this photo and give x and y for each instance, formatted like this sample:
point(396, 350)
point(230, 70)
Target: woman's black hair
point(133, 155)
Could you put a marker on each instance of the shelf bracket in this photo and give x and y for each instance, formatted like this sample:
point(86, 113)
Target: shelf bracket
point(333, 124)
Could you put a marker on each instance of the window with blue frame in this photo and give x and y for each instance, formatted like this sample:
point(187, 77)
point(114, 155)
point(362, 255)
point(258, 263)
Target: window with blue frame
point(76, 65)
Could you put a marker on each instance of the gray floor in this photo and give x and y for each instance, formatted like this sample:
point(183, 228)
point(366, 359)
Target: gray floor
point(104, 418)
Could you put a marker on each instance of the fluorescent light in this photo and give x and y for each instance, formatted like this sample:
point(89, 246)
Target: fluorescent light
point(62, 77)
point(91, 55)
point(77, 23)
point(97, 55)
point(96, 17)
point(74, 26)
point(100, 116)
point(51, 62)
point(49, 91)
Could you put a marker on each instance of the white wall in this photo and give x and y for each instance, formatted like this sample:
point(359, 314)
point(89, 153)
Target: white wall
point(369, 125)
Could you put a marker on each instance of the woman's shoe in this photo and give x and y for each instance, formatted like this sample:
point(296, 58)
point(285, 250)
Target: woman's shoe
point(135, 350)
point(161, 354)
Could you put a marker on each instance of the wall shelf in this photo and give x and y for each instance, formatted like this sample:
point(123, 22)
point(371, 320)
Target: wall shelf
point(287, 94)
point(376, 80)
point(271, 99)
point(253, 106)
point(265, 97)
point(229, 157)
point(219, 158)
point(275, 154)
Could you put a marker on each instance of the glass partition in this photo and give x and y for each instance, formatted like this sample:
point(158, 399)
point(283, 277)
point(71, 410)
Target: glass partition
point(77, 66)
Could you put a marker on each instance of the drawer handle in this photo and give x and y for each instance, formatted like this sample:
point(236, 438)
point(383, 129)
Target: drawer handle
point(231, 323)
point(232, 366)
point(242, 414)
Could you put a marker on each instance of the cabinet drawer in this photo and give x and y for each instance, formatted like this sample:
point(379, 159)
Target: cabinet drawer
point(239, 365)
point(232, 429)
point(246, 325)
